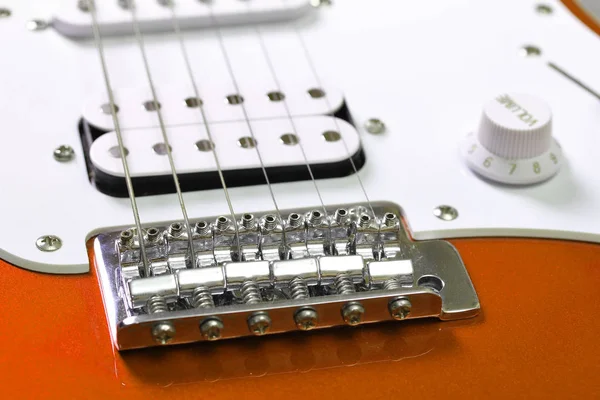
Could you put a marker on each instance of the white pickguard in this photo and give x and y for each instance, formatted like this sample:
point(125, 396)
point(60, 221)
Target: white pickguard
point(423, 67)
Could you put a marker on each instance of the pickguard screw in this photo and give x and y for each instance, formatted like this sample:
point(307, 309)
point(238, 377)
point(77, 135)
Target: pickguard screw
point(400, 308)
point(212, 329)
point(446, 213)
point(48, 243)
point(306, 319)
point(64, 153)
point(353, 313)
point(163, 332)
point(37, 25)
point(531, 51)
point(544, 9)
point(259, 323)
point(375, 126)
point(5, 13)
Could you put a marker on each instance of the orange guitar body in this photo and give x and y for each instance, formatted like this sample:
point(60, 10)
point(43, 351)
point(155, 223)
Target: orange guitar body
point(535, 337)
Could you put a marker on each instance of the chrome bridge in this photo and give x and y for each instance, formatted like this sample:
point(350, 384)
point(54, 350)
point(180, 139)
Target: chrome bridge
point(260, 275)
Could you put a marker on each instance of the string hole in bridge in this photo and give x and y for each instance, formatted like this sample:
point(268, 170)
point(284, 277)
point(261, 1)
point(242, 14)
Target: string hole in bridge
point(289, 139)
point(161, 149)
point(193, 102)
point(332, 136)
point(115, 151)
point(108, 110)
point(151, 105)
point(316, 93)
point(234, 99)
point(276, 96)
point(205, 145)
point(247, 142)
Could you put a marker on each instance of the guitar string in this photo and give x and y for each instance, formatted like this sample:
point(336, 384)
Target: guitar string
point(157, 107)
point(111, 98)
point(245, 112)
point(188, 65)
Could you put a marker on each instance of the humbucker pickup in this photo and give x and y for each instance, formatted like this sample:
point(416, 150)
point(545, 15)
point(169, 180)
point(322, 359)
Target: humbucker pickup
point(114, 18)
point(300, 270)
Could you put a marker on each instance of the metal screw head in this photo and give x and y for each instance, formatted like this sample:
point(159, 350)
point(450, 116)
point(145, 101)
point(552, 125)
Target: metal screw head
point(259, 323)
point(400, 308)
point(353, 313)
point(163, 332)
point(390, 219)
point(152, 234)
point(212, 329)
point(37, 25)
point(544, 9)
point(306, 319)
point(445, 213)
point(126, 237)
point(375, 126)
point(531, 51)
point(48, 243)
point(5, 13)
point(176, 229)
point(64, 153)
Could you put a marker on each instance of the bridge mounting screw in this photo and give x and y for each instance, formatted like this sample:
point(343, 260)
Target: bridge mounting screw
point(306, 319)
point(400, 308)
point(64, 153)
point(353, 313)
point(163, 332)
point(212, 328)
point(259, 323)
point(375, 126)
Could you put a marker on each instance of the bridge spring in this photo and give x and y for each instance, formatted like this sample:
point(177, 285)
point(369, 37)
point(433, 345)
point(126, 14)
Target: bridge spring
point(392, 284)
point(202, 298)
point(343, 284)
point(299, 289)
point(250, 293)
point(157, 304)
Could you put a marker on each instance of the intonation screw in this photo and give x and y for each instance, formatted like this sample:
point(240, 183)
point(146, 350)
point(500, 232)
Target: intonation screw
point(162, 332)
point(390, 219)
point(400, 308)
point(353, 313)
point(341, 215)
point(248, 221)
point(294, 220)
point(306, 319)
point(222, 223)
point(176, 229)
point(64, 153)
point(375, 126)
point(259, 323)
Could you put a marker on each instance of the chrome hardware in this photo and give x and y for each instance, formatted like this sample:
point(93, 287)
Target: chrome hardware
point(361, 270)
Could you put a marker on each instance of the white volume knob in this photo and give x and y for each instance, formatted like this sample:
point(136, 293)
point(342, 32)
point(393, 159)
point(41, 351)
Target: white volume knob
point(513, 143)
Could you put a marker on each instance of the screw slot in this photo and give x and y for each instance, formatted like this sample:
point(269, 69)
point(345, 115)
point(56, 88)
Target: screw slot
point(446, 213)
point(48, 243)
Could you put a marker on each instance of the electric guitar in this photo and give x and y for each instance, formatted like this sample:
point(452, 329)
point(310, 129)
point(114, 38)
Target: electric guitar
point(243, 198)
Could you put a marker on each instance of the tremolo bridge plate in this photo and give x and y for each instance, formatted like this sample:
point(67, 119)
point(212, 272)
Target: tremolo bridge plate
point(259, 276)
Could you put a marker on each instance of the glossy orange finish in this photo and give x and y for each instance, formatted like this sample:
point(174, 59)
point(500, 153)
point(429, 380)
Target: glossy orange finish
point(573, 5)
point(537, 336)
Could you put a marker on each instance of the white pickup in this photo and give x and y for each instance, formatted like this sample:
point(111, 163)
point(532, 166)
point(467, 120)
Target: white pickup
point(180, 107)
point(325, 140)
point(73, 20)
